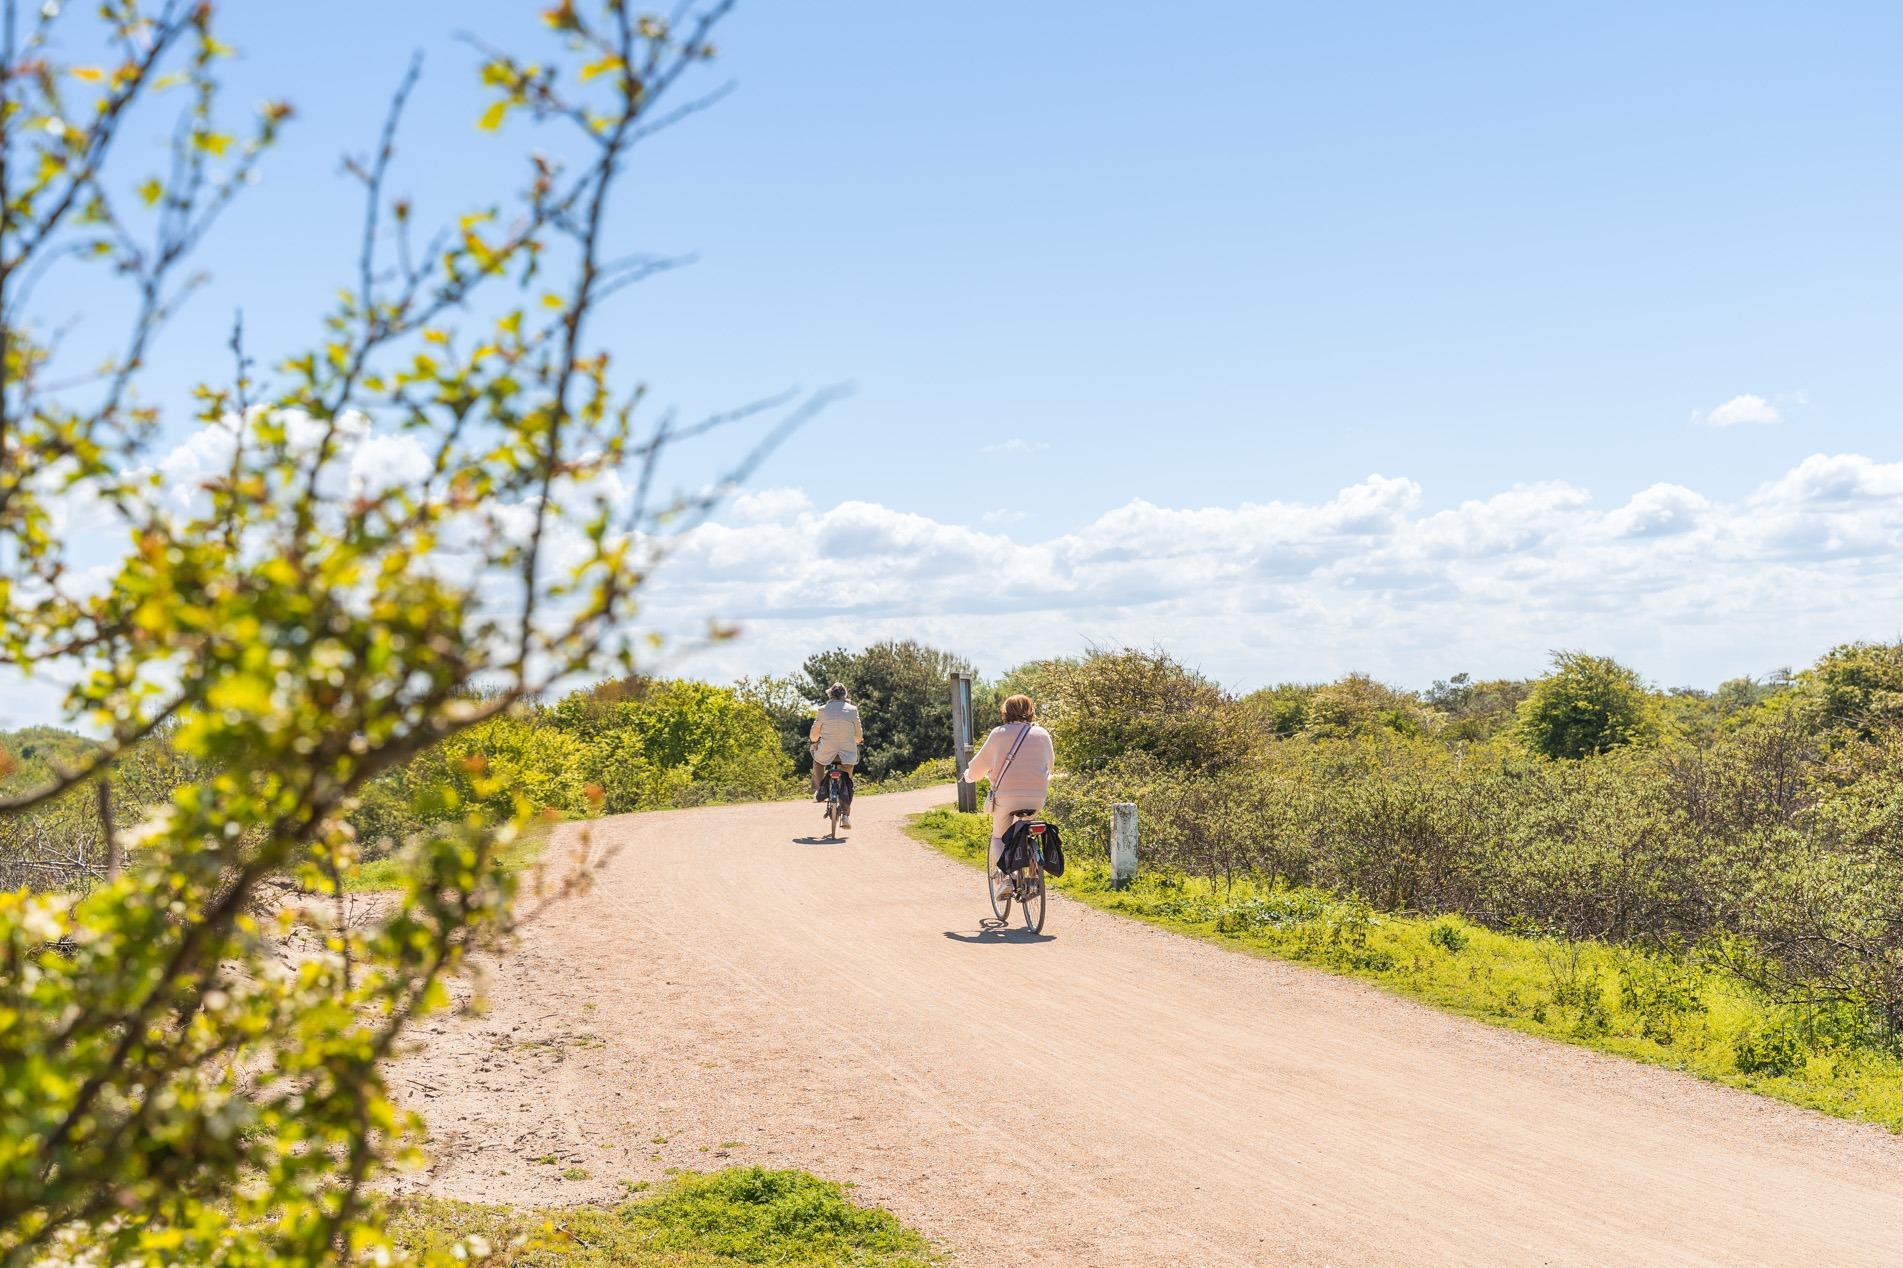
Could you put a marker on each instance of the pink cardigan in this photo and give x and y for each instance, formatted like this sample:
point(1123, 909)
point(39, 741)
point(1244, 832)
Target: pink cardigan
point(1030, 772)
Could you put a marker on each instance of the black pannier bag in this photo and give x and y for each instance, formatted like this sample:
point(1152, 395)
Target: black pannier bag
point(1018, 841)
point(845, 787)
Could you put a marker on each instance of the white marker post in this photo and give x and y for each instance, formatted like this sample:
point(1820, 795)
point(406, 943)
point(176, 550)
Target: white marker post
point(1123, 843)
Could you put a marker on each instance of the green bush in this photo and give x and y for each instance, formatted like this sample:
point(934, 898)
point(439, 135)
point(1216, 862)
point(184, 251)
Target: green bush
point(1114, 705)
point(1856, 689)
point(1587, 705)
point(652, 743)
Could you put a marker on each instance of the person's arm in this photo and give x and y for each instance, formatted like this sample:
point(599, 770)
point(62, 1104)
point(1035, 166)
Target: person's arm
point(979, 767)
point(812, 736)
point(858, 728)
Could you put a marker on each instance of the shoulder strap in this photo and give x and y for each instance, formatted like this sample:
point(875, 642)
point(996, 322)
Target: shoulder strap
point(1022, 735)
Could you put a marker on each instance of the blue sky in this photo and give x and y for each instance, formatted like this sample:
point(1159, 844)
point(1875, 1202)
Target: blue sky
point(1079, 257)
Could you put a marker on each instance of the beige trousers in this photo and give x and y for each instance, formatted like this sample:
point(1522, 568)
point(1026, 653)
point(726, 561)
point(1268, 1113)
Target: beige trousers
point(1001, 819)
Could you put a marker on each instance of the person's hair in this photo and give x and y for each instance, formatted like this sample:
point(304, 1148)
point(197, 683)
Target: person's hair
point(1020, 709)
point(837, 691)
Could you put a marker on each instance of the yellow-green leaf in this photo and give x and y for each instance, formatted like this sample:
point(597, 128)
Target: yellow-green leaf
point(492, 117)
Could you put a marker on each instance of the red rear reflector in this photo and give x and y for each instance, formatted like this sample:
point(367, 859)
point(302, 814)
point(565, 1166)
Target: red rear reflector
point(1037, 829)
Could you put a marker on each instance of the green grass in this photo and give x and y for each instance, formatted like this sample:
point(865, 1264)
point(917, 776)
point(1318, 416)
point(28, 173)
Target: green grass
point(1660, 1009)
point(745, 1215)
point(387, 872)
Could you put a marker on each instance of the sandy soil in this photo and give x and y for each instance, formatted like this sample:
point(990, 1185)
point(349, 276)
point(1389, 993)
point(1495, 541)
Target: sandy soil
point(733, 990)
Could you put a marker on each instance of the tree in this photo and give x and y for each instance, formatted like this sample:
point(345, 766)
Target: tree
point(1281, 711)
point(1586, 705)
point(903, 691)
point(300, 627)
point(1856, 689)
point(1357, 705)
point(1473, 711)
point(1113, 704)
point(786, 700)
point(646, 742)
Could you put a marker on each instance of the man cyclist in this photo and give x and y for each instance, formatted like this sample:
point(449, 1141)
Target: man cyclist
point(836, 737)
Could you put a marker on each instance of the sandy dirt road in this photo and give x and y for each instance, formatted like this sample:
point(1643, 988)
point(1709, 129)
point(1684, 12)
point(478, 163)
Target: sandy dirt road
point(734, 991)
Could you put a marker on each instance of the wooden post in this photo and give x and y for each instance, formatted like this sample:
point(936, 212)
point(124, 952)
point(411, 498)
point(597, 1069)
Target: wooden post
point(961, 739)
point(114, 861)
point(1123, 843)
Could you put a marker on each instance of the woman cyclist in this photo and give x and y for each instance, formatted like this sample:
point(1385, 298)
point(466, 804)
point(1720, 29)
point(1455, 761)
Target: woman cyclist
point(1016, 757)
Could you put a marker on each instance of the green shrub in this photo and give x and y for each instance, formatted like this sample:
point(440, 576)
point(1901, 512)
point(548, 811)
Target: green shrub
point(1856, 689)
point(1663, 993)
point(1587, 705)
point(1778, 1048)
point(1448, 936)
point(1118, 705)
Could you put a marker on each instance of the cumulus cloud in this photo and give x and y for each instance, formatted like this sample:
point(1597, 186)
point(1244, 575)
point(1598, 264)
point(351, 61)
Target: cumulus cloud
point(1746, 408)
point(1686, 586)
point(1016, 445)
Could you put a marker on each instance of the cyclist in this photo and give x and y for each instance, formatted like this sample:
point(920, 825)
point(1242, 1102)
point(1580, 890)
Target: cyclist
point(836, 737)
point(1016, 757)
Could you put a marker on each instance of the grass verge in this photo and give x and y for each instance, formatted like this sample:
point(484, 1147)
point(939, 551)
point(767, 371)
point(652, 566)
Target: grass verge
point(745, 1215)
point(1661, 1009)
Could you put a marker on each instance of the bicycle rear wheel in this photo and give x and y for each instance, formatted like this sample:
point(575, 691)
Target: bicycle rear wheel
point(1031, 898)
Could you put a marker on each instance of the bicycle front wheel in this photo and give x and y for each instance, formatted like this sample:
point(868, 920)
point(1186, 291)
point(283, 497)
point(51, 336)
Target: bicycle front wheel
point(1000, 907)
point(1031, 898)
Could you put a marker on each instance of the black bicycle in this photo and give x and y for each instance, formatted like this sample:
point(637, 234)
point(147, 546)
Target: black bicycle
point(834, 783)
point(1024, 884)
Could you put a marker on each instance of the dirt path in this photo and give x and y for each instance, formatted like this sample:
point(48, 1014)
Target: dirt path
point(752, 996)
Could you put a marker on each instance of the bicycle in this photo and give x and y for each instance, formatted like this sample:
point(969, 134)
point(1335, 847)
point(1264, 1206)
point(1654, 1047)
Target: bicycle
point(834, 776)
point(1025, 885)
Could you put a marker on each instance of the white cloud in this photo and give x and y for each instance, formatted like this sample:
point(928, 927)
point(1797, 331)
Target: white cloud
point(1746, 408)
point(763, 506)
point(1016, 445)
point(1685, 586)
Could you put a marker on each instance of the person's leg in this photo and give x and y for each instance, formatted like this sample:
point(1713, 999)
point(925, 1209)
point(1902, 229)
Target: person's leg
point(820, 760)
point(845, 802)
point(1002, 816)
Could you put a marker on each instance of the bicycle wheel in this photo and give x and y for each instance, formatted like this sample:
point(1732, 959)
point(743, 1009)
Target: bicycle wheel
point(1031, 898)
point(832, 818)
point(1000, 907)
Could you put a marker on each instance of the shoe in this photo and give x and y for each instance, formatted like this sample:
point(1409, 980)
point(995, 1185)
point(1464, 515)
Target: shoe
point(1001, 888)
point(845, 821)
